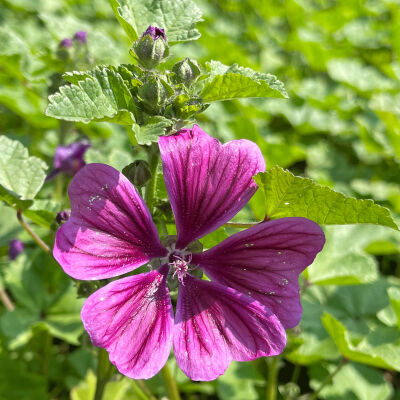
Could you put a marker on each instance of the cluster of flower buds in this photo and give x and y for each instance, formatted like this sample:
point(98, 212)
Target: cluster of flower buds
point(79, 37)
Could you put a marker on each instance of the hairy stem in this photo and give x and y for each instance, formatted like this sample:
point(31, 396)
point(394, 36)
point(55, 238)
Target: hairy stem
point(170, 384)
point(272, 382)
point(104, 372)
point(35, 237)
point(328, 379)
point(151, 186)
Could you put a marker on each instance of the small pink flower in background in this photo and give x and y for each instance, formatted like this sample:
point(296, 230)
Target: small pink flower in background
point(253, 295)
point(66, 43)
point(69, 159)
point(81, 36)
point(15, 248)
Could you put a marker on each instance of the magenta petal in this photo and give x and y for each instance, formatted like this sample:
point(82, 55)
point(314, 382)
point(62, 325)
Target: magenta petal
point(110, 231)
point(132, 319)
point(207, 182)
point(265, 261)
point(215, 325)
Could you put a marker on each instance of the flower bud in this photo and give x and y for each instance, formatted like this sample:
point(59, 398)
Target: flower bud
point(151, 48)
point(62, 216)
point(15, 248)
point(65, 43)
point(186, 71)
point(138, 172)
point(155, 92)
point(81, 36)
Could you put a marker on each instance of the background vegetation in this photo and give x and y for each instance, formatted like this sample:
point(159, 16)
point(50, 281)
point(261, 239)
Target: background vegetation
point(339, 60)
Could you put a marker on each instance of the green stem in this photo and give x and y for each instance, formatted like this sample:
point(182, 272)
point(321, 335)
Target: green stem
point(154, 157)
point(328, 379)
point(170, 384)
point(8, 304)
point(104, 372)
point(296, 373)
point(35, 237)
point(240, 224)
point(140, 394)
point(272, 382)
point(47, 346)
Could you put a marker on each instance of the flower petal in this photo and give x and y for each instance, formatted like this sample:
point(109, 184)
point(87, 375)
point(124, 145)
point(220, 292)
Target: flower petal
point(132, 318)
point(207, 182)
point(215, 325)
point(110, 231)
point(265, 261)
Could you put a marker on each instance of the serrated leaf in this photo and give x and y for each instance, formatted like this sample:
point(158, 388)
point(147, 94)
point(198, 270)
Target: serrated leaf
point(236, 82)
point(177, 17)
point(101, 95)
point(287, 195)
point(154, 128)
point(21, 176)
point(380, 348)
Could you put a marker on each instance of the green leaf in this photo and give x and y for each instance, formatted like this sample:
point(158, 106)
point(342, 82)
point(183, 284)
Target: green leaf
point(394, 297)
point(380, 348)
point(101, 95)
point(19, 383)
point(13, 199)
point(362, 77)
point(43, 212)
point(63, 318)
point(178, 17)
point(343, 261)
point(21, 176)
point(238, 382)
point(113, 390)
point(287, 195)
point(236, 82)
point(154, 128)
point(352, 382)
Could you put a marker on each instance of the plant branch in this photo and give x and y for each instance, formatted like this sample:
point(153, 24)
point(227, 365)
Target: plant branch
point(328, 378)
point(35, 237)
point(104, 372)
point(240, 224)
point(151, 186)
point(272, 382)
point(8, 304)
point(170, 384)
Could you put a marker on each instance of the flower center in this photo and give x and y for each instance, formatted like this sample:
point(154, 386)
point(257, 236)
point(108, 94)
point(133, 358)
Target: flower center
point(180, 264)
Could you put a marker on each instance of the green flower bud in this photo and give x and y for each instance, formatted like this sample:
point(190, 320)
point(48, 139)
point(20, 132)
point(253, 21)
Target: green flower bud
point(151, 48)
point(155, 92)
point(186, 71)
point(138, 172)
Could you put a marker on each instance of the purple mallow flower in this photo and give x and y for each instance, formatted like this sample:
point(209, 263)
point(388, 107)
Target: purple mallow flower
point(15, 248)
point(69, 159)
point(253, 295)
point(67, 42)
point(81, 36)
point(155, 32)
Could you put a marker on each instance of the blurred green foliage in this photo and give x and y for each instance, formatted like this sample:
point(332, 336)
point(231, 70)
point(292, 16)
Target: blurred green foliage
point(339, 61)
